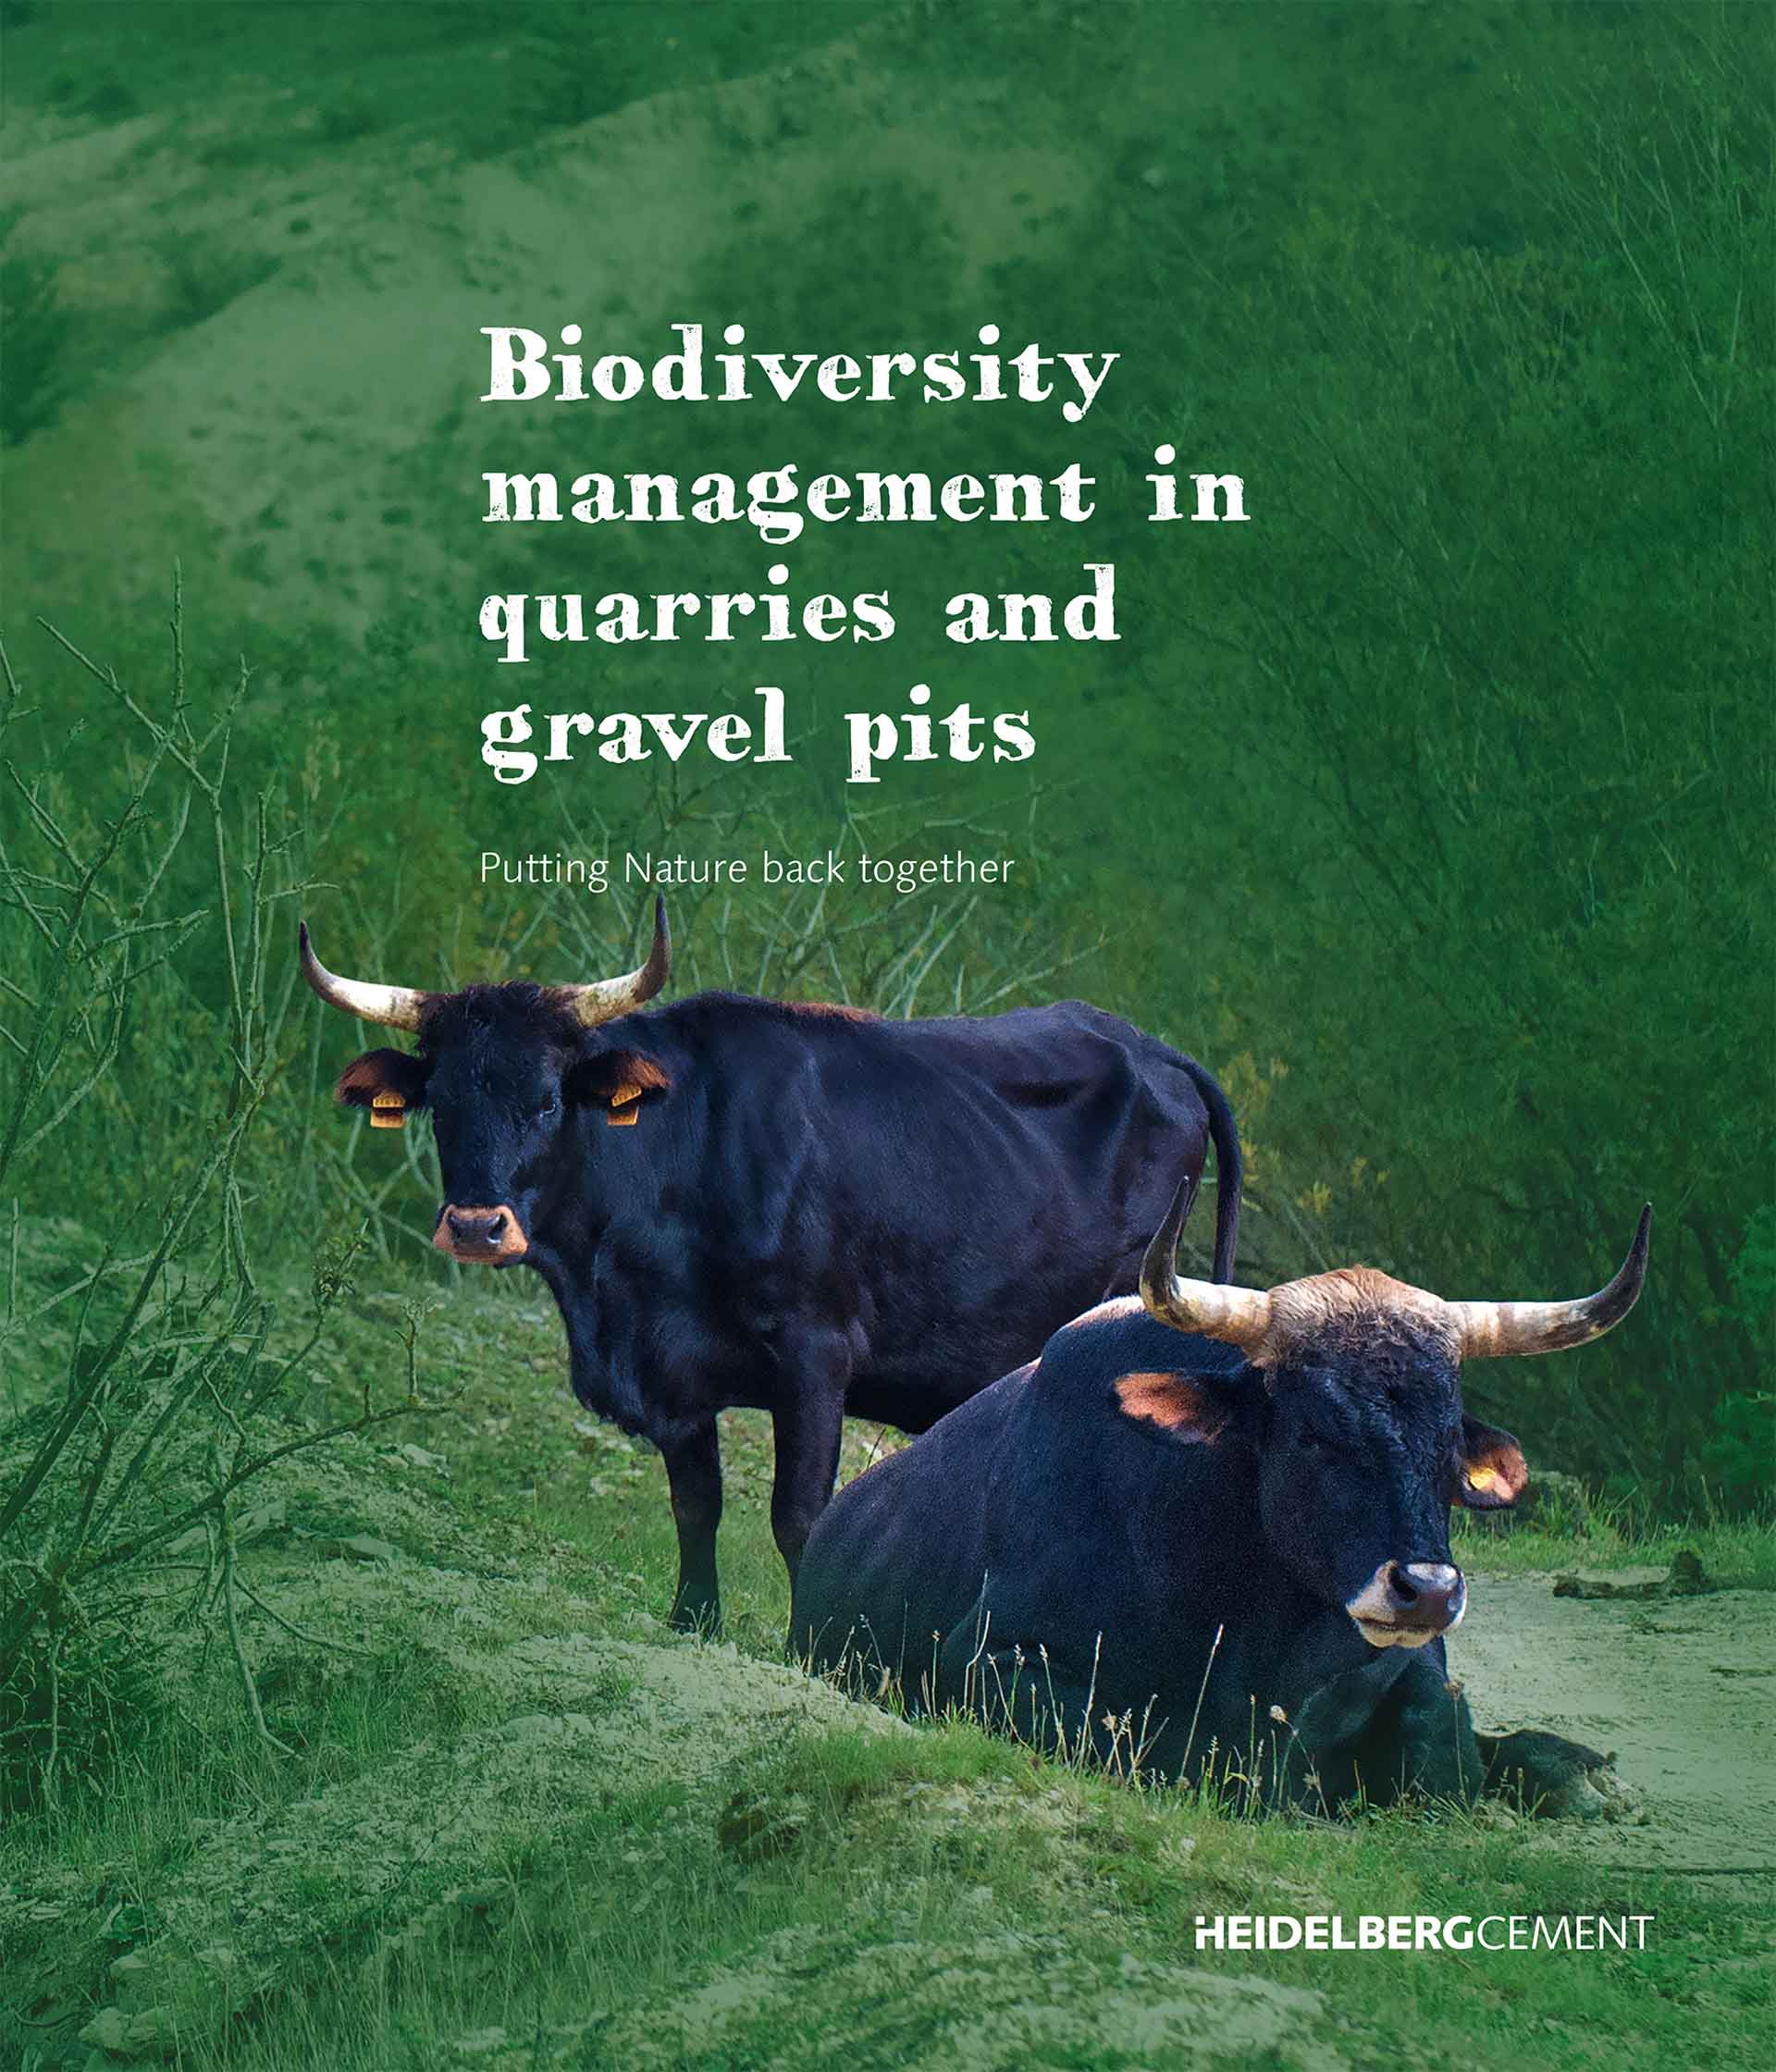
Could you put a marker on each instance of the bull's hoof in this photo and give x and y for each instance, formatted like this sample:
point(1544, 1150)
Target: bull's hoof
point(1554, 1778)
point(703, 1618)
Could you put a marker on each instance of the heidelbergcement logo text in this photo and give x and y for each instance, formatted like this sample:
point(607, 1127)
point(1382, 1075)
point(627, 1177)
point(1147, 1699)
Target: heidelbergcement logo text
point(1422, 1932)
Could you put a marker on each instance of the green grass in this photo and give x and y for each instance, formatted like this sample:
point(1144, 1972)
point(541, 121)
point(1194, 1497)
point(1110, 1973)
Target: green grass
point(513, 1805)
point(1737, 1553)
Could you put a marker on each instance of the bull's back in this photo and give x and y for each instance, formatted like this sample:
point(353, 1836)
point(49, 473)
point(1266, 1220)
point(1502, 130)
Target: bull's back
point(1008, 1173)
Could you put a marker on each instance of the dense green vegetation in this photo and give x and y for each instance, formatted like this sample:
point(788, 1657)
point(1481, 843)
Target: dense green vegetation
point(1440, 789)
point(1431, 810)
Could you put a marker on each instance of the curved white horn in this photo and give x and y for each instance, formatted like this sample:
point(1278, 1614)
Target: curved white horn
point(1236, 1315)
point(1489, 1329)
point(393, 1006)
point(606, 998)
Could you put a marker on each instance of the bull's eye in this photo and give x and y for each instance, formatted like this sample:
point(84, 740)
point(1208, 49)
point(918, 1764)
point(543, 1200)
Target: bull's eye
point(546, 1108)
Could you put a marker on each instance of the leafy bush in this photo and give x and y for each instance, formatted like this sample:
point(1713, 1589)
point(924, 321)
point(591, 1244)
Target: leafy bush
point(1510, 631)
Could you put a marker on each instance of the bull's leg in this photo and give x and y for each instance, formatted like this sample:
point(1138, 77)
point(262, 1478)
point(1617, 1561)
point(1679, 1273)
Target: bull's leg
point(807, 1427)
point(1030, 1691)
point(1420, 1740)
point(694, 1475)
point(1052, 1706)
point(1019, 1691)
point(1545, 1773)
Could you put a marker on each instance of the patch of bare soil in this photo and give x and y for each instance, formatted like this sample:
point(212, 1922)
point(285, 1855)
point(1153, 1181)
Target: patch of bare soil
point(1678, 1687)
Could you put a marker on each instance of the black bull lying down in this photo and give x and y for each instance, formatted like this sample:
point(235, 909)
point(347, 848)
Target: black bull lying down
point(736, 1202)
point(1183, 1531)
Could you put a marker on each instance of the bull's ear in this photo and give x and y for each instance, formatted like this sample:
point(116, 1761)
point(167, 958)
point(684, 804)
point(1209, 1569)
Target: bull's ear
point(1492, 1473)
point(387, 1082)
point(617, 1082)
point(1186, 1409)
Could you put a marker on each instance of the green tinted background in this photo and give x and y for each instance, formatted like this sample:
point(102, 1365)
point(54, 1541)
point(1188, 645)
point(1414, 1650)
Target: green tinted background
point(1429, 808)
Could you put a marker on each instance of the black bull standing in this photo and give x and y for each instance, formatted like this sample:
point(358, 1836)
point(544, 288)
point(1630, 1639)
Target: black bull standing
point(1196, 1506)
point(804, 1210)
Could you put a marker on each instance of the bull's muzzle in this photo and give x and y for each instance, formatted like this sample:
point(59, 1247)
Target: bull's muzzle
point(1406, 1604)
point(480, 1237)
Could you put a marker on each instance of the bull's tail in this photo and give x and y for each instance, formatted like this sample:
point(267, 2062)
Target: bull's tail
point(1229, 1168)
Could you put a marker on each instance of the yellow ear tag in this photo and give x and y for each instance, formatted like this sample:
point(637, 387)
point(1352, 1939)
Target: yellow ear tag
point(625, 1106)
point(388, 1111)
point(1483, 1479)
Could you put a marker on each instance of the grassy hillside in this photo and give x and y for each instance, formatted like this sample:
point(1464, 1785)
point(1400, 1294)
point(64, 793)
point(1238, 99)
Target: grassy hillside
point(1429, 807)
point(496, 1816)
point(337, 1725)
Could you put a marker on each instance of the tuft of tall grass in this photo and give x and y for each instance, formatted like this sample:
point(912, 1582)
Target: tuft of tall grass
point(165, 1400)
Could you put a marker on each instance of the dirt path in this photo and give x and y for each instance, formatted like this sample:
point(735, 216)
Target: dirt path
point(1680, 1688)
